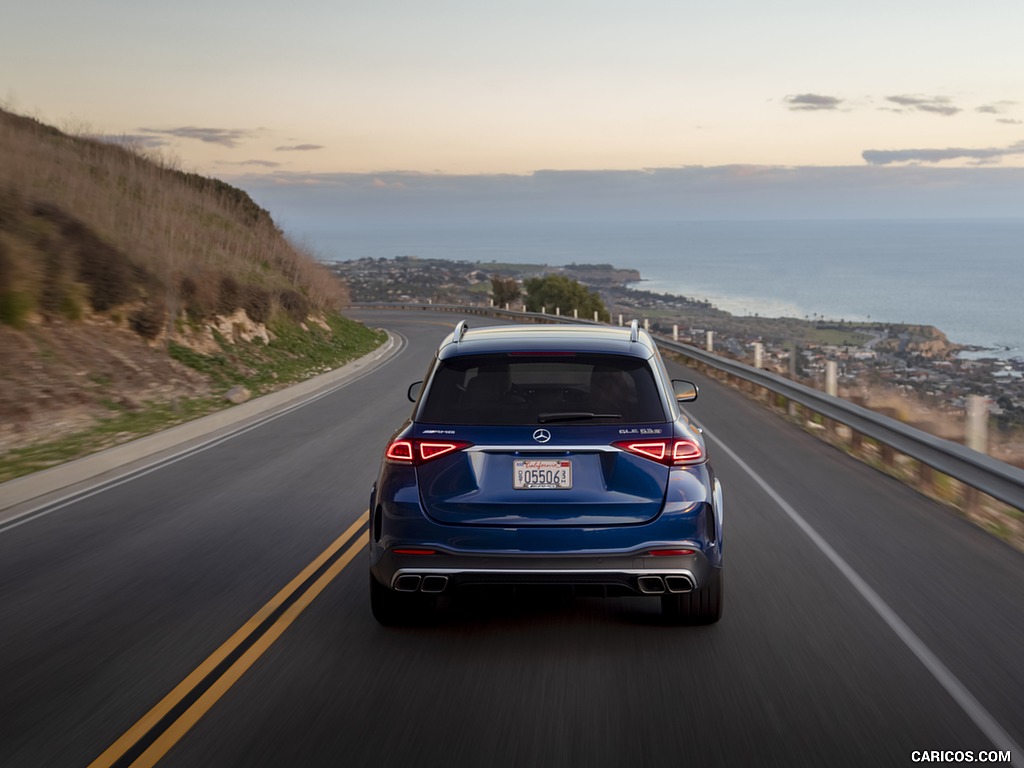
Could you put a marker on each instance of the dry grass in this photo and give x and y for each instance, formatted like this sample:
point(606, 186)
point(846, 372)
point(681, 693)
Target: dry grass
point(174, 228)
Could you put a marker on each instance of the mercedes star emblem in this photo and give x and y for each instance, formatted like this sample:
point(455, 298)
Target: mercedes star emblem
point(541, 435)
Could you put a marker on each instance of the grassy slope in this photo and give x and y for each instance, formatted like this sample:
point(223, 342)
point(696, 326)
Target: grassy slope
point(109, 263)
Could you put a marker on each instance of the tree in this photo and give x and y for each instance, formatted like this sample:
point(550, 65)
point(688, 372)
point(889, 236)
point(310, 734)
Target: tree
point(553, 291)
point(504, 290)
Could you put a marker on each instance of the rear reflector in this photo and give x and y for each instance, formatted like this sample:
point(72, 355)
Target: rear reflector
point(671, 552)
point(406, 551)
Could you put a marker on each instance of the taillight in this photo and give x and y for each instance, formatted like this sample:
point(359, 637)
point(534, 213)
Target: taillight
point(670, 452)
point(415, 451)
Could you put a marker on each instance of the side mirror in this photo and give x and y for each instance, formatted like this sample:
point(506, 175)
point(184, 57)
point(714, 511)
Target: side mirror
point(413, 392)
point(686, 391)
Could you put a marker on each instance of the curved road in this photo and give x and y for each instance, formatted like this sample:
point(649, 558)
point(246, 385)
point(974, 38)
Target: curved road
point(213, 612)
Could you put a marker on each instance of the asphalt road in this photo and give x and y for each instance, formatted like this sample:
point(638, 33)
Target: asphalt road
point(862, 621)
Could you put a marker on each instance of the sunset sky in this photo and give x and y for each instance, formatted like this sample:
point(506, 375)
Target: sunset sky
point(460, 87)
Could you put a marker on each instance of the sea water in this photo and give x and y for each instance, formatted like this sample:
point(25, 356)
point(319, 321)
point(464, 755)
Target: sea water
point(965, 277)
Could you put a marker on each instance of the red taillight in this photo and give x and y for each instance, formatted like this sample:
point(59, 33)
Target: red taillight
point(416, 451)
point(672, 453)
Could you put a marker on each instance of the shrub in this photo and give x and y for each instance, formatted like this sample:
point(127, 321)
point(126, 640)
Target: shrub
point(15, 308)
point(257, 303)
point(147, 320)
point(228, 295)
point(294, 304)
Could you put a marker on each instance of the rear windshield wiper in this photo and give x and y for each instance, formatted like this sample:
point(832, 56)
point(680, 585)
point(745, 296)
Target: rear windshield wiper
point(544, 418)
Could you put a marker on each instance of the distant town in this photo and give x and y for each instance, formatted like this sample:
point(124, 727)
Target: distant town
point(911, 372)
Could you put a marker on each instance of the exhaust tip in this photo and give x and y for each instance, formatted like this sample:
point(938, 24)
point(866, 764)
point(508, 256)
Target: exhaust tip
point(407, 583)
point(678, 584)
point(434, 584)
point(651, 585)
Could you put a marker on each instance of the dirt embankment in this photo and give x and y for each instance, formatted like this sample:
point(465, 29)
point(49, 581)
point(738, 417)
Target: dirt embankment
point(58, 378)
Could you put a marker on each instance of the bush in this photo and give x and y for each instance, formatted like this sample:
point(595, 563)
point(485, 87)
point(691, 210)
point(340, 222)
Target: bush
point(15, 308)
point(228, 295)
point(257, 303)
point(294, 304)
point(148, 320)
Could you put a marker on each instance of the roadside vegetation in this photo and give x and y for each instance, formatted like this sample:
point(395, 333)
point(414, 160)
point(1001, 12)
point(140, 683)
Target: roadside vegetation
point(134, 294)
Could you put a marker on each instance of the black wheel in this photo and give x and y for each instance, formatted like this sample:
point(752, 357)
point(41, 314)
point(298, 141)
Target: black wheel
point(701, 606)
point(397, 609)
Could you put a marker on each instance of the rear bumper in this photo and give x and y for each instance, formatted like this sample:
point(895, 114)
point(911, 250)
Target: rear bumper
point(636, 573)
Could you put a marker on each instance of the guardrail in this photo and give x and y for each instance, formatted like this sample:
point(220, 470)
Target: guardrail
point(978, 472)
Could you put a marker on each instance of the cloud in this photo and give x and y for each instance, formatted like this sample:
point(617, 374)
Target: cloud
point(998, 108)
point(392, 200)
point(982, 155)
point(812, 102)
point(1009, 121)
point(299, 148)
point(132, 140)
point(263, 163)
point(937, 105)
point(227, 137)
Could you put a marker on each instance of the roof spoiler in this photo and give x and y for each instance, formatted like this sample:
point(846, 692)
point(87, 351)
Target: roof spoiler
point(460, 330)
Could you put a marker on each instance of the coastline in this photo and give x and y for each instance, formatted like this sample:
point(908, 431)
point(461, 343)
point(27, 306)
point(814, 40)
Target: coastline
point(962, 276)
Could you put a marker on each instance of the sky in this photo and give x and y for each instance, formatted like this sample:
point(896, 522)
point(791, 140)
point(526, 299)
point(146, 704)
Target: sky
point(391, 94)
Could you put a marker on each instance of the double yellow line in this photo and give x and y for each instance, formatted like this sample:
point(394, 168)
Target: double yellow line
point(146, 742)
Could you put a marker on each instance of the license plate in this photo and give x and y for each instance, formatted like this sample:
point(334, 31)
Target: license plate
point(541, 474)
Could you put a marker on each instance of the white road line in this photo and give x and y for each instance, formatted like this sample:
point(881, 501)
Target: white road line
point(971, 706)
point(73, 498)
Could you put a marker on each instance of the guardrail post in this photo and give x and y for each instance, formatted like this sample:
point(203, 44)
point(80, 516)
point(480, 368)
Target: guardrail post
point(575, 314)
point(558, 311)
point(675, 333)
point(758, 354)
point(925, 478)
point(831, 378)
point(647, 325)
point(595, 316)
point(977, 423)
point(710, 346)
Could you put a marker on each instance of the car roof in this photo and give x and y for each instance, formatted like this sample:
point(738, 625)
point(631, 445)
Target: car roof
point(546, 338)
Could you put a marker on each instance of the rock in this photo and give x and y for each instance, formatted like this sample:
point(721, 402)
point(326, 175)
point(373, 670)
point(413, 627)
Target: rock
point(237, 394)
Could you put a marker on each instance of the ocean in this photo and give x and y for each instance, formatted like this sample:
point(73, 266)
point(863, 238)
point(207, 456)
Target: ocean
point(966, 277)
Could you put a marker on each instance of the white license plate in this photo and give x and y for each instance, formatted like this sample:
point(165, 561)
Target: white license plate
point(541, 474)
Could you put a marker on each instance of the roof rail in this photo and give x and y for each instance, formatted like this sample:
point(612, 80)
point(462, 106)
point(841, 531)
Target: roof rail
point(460, 330)
point(634, 330)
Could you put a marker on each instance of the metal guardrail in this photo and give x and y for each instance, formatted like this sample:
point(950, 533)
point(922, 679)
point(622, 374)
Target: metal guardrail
point(976, 470)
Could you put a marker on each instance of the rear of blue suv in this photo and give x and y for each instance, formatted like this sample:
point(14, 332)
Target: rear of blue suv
point(547, 455)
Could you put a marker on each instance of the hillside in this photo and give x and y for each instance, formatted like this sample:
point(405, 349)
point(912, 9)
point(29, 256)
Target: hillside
point(134, 295)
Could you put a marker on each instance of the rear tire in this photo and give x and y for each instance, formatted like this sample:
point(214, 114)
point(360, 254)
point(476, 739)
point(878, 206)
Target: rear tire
point(701, 606)
point(398, 609)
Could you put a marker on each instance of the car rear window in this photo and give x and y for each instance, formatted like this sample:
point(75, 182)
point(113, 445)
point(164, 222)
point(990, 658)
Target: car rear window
point(513, 389)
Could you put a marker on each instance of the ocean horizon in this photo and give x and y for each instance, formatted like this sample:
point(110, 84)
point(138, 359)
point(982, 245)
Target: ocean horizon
point(965, 277)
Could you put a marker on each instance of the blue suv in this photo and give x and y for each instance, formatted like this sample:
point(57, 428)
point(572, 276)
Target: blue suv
point(547, 455)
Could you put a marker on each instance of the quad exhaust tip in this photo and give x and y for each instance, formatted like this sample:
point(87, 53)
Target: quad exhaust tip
point(433, 584)
point(651, 585)
point(657, 585)
point(413, 582)
point(407, 583)
point(678, 584)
